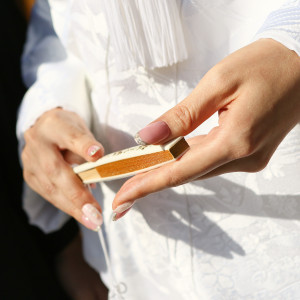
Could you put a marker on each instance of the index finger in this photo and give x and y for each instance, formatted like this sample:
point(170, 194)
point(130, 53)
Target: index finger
point(58, 184)
point(203, 156)
point(78, 200)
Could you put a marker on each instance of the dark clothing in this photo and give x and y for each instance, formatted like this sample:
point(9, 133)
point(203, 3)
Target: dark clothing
point(27, 254)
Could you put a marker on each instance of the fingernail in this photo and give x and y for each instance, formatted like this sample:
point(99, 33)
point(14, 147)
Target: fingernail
point(153, 133)
point(93, 150)
point(92, 217)
point(121, 210)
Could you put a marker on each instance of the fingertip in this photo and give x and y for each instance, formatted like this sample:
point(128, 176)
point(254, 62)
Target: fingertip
point(91, 216)
point(89, 224)
point(130, 191)
point(95, 152)
point(121, 210)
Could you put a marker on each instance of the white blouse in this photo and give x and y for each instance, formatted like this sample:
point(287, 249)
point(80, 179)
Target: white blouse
point(235, 236)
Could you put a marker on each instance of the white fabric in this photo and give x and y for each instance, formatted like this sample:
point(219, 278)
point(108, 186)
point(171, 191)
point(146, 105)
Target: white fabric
point(283, 26)
point(144, 33)
point(235, 236)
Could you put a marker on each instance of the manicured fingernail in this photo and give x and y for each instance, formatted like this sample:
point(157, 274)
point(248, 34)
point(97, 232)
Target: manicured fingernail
point(92, 217)
point(93, 150)
point(121, 210)
point(153, 133)
point(87, 223)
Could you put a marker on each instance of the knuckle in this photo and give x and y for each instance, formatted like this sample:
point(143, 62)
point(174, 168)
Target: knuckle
point(175, 178)
point(241, 146)
point(29, 136)
point(223, 81)
point(25, 158)
point(49, 119)
point(27, 176)
point(51, 168)
point(218, 77)
point(245, 149)
point(72, 211)
point(183, 117)
point(78, 139)
point(257, 162)
point(52, 115)
point(49, 189)
point(76, 195)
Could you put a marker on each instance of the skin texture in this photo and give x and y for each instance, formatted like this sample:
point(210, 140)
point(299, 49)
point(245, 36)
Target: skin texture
point(58, 139)
point(255, 90)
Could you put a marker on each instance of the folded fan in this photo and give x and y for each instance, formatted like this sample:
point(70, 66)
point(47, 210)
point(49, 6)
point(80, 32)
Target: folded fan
point(131, 161)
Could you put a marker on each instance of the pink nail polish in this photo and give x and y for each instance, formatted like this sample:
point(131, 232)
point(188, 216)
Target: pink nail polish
point(153, 133)
point(91, 217)
point(93, 150)
point(121, 210)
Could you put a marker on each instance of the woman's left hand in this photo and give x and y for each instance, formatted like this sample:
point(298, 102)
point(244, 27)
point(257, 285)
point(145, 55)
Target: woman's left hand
point(255, 90)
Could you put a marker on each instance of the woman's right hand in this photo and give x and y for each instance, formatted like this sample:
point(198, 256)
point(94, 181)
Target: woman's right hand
point(58, 139)
point(256, 92)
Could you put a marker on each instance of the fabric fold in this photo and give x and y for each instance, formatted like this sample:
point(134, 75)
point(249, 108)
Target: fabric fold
point(145, 33)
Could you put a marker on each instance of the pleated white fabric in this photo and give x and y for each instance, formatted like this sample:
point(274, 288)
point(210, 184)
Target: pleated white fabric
point(144, 33)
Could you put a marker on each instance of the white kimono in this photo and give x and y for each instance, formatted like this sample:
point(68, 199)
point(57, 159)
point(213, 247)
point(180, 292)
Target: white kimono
point(235, 236)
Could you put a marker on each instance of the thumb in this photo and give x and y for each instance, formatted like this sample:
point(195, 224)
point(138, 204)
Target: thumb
point(83, 147)
point(70, 133)
point(186, 116)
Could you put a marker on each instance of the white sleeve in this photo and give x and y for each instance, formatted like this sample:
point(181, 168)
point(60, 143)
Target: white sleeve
point(283, 25)
point(54, 79)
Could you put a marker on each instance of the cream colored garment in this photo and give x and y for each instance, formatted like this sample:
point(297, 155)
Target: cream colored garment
point(231, 237)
